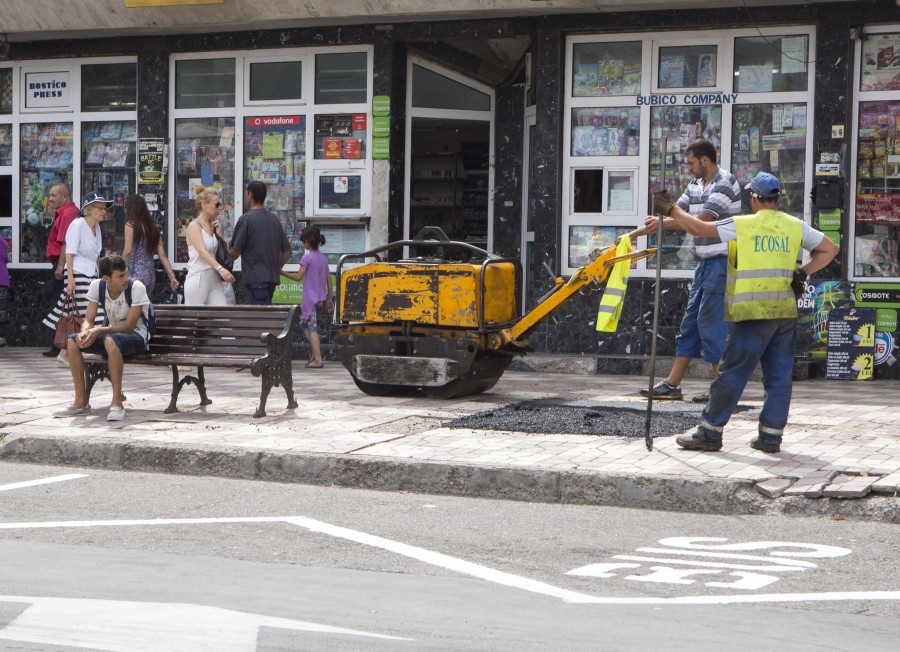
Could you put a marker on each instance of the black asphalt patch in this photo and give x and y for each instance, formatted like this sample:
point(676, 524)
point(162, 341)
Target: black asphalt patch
point(615, 419)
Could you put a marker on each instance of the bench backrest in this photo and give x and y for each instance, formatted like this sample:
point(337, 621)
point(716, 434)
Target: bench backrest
point(217, 330)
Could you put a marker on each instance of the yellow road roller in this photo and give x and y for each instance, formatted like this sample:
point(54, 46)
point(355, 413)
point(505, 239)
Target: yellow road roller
point(446, 323)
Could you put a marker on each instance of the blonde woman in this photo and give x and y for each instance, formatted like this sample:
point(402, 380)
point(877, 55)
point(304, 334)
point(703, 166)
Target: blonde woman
point(203, 285)
point(83, 247)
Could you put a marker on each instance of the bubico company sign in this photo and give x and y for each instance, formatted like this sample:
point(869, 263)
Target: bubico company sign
point(47, 90)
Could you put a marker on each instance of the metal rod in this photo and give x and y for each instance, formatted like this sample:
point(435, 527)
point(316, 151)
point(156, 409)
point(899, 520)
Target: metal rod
point(648, 422)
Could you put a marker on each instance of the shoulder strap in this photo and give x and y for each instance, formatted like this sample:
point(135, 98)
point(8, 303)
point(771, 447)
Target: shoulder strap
point(101, 300)
point(128, 292)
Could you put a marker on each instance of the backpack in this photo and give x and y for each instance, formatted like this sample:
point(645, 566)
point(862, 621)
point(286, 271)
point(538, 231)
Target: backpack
point(149, 320)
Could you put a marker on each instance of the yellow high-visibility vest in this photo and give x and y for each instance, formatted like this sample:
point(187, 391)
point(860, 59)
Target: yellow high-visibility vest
point(614, 295)
point(761, 265)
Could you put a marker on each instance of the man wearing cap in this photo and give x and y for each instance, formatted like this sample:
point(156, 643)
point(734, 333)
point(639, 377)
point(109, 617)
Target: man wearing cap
point(60, 200)
point(714, 194)
point(84, 243)
point(764, 283)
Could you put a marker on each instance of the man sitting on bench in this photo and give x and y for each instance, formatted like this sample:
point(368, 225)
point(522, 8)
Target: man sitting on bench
point(123, 333)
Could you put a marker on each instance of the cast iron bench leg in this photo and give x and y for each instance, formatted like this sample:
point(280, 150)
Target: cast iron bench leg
point(176, 389)
point(201, 387)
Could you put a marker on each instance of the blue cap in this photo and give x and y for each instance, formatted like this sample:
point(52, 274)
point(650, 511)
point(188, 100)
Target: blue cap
point(764, 186)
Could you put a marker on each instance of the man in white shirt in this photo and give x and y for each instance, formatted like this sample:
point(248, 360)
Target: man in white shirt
point(123, 333)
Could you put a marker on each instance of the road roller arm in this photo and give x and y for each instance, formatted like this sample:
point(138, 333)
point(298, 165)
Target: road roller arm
point(595, 272)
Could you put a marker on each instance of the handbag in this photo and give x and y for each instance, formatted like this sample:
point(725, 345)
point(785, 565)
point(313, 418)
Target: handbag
point(70, 322)
point(222, 256)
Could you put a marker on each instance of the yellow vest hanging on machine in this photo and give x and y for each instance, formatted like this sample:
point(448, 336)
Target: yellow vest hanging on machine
point(761, 265)
point(614, 295)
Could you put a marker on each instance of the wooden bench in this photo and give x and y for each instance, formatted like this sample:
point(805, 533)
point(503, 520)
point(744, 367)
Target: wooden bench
point(258, 337)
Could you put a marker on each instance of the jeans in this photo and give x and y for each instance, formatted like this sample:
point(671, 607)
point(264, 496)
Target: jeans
point(771, 342)
point(703, 327)
point(259, 294)
point(128, 343)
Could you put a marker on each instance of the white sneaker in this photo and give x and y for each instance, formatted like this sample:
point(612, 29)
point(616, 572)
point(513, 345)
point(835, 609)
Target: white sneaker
point(116, 414)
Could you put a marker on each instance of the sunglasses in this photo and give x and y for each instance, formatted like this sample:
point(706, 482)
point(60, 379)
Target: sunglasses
point(218, 204)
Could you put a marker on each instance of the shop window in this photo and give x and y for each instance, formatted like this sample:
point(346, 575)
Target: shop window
point(273, 81)
point(5, 145)
point(587, 192)
point(46, 156)
point(275, 153)
point(338, 193)
point(771, 64)
point(603, 191)
point(672, 130)
point(878, 189)
point(606, 69)
point(771, 138)
point(687, 66)
point(109, 87)
point(341, 78)
point(6, 205)
point(880, 63)
point(585, 241)
point(107, 163)
point(435, 91)
point(204, 154)
point(341, 136)
point(204, 83)
point(606, 132)
point(342, 239)
point(6, 88)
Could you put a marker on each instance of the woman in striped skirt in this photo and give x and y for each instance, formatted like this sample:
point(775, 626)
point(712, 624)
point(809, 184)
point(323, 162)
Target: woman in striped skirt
point(83, 246)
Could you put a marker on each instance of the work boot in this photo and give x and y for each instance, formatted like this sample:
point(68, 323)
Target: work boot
point(694, 443)
point(758, 444)
point(664, 391)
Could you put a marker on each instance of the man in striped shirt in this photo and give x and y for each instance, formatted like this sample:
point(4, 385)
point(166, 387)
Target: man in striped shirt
point(713, 195)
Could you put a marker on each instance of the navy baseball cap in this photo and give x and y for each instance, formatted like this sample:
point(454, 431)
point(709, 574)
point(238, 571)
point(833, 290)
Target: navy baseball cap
point(764, 186)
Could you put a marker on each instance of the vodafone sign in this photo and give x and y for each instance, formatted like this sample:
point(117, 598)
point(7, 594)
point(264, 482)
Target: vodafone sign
point(275, 121)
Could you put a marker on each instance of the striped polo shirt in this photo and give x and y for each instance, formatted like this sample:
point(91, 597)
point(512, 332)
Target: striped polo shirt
point(719, 200)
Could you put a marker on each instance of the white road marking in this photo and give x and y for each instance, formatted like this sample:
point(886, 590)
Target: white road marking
point(725, 555)
point(708, 564)
point(129, 626)
point(35, 483)
point(469, 568)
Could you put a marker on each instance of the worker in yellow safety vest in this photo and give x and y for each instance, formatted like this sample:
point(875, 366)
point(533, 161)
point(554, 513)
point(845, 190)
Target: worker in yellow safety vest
point(762, 288)
point(614, 295)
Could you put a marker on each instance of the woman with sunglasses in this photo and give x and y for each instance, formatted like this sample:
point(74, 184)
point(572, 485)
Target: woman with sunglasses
point(203, 285)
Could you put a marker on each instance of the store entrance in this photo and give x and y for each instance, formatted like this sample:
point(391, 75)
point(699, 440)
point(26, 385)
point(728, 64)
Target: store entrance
point(449, 180)
point(449, 155)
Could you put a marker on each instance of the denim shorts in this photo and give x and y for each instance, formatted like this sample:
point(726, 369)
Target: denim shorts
point(310, 325)
point(128, 343)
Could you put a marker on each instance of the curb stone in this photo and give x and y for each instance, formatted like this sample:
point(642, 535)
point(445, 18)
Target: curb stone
point(674, 493)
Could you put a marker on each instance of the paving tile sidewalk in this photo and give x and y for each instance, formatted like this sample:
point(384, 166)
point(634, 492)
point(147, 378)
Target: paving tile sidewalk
point(844, 427)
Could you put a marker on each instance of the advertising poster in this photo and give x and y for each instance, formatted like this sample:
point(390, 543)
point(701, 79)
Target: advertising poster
point(851, 344)
point(150, 160)
point(880, 65)
point(812, 322)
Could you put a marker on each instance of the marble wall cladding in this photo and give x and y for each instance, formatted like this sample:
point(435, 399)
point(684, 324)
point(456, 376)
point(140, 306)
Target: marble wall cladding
point(153, 82)
point(508, 154)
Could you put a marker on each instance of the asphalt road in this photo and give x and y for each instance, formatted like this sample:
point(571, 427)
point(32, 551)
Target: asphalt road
point(135, 561)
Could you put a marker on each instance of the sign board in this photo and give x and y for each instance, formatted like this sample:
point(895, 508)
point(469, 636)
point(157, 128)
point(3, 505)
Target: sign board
point(381, 105)
point(150, 160)
point(830, 219)
point(880, 295)
point(381, 127)
point(828, 169)
point(288, 292)
point(47, 90)
point(851, 344)
point(381, 147)
point(884, 347)
point(885, 320)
